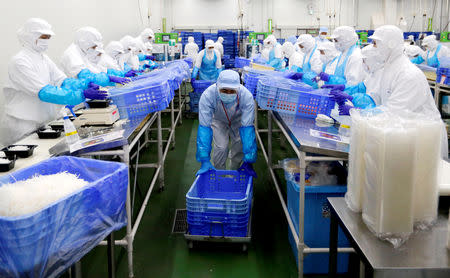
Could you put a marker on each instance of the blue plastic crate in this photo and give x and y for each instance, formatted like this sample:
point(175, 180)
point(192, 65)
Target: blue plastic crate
point(317, 224)
point(127, 112)
point(240, 62)
point(221, 191)
point(200, 86)
point(139, 93)
point(217, 228)
point(46, 243)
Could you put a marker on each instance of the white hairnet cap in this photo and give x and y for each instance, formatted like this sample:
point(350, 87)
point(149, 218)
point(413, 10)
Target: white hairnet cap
point(220, 39)
point(288, 48)
point(272, 39)
point(292, 39)
point(190, 39)
point(370, 58)
point(346, 34)
point(88, 37)
point(128, 42)
point(389, 41)
point(307, 41)
point(113, 48)
point(412, 50)
point(32, 29)
point(430, 41)
point(229, 79)
point(209, 43)
point(146, 34)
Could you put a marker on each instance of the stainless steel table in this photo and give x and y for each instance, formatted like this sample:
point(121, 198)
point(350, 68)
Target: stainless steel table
point(423, 255)
point(297, 131)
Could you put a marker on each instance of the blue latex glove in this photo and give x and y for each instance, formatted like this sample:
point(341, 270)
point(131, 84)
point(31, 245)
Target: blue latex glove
point(120, 80)
point(339, 87)
point(324, 76)
point(53, 94)
point(147, 66)
point(194, 73)
point(131, 73)
point(364, 101)
point(248, 139)
point(93, 93)
point(247, 168)
point(150, 57)
point(206, 166)
point(344, 109)
point(115, 72)
point(93, 86)
point(340, 97)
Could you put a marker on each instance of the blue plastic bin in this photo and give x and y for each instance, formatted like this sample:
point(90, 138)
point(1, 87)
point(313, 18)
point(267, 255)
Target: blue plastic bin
point(317, 225)
point(219, 204)
point(46, 243)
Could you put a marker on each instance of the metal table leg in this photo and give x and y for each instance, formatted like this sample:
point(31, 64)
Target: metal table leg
point(332, 265)
point(160, 153)
point(269, 138)
point(172, 122)
point(111, 257)
point(129, 237)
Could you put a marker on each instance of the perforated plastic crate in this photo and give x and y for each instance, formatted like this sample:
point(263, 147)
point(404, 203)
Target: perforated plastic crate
point(140, 92)
point(220, 191)
point(200, 86)
point(142, 110)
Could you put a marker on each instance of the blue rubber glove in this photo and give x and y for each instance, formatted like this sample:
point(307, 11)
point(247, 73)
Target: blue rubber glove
point(194, 73)
point(344, 109)
point(340, 97)
point(248, 139)
point(324, 76)
point(247, 168)
point(295, 76)
point(119, 80)
point(339, 87)
point(204, 140)
point(147, 66)
point(150, 57)
point(206, 166)
point(93, 93)
point(130, 73)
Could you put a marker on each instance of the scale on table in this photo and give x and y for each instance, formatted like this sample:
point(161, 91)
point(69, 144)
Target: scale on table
point(98, 113)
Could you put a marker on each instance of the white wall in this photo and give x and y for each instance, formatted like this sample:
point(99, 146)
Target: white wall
point(113, 18)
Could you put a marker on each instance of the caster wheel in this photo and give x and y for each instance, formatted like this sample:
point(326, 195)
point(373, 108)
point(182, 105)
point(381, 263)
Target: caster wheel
point(244, 247)
point(161, 189)
point(191, 245)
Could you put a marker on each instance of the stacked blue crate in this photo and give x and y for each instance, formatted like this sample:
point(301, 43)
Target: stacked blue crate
point(229, 43)
point(281, 41)
point(209, 36)
point(198, 38)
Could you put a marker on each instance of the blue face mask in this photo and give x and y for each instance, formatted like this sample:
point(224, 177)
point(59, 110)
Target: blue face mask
point(227, 98)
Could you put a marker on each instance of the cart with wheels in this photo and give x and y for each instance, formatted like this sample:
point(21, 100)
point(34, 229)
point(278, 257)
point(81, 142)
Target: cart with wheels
point(219, 208)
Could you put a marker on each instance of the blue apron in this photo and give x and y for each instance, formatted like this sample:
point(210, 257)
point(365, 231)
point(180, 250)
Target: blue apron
point(208, 69)
point(340, 69)
point(434, 61)
point(329, 63)
point(307, 67)
point(274, 62)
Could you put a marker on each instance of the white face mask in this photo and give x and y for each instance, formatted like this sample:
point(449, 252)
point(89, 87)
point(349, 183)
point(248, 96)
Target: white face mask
point(339, 46)
point(93, 55)
point(322, 37)
point(41, 45)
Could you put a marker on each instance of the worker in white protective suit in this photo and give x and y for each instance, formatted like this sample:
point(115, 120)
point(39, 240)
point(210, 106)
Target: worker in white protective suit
point(311, 59)
point(113, 60)
point(322, 37)
point(36, 84)
point(272, 52)
point(402, 86)
point(434, 51)
point(415, 54)
point(84, 53)
point(226, 116)
point(218, 45)
point(132, 51)
point(329, 57)
point(146, 37)
point(294, 58)
point(191, 49)
point(349, 69)
point(207, 64)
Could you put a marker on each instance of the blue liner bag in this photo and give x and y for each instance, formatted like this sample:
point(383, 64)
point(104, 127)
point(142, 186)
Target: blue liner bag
point(46, 243)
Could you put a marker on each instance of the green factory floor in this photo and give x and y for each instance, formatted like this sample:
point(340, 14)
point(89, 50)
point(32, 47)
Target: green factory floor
point(159, 253)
